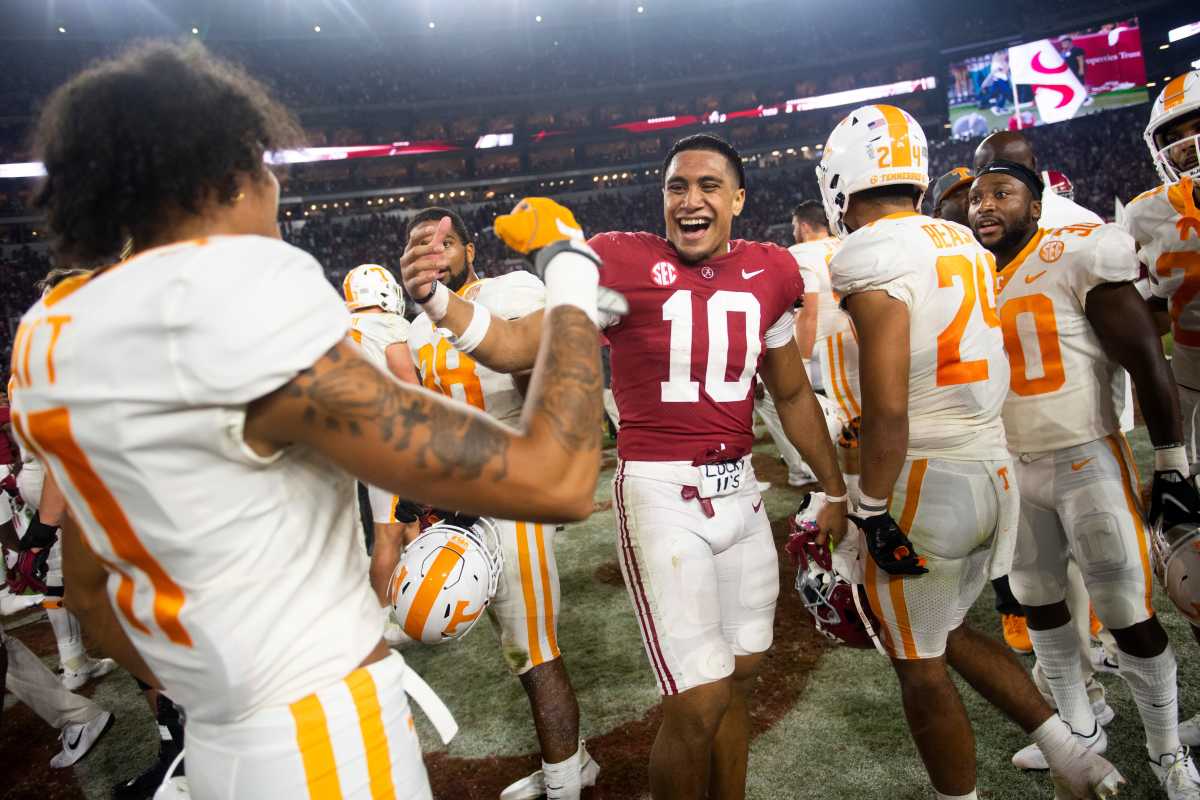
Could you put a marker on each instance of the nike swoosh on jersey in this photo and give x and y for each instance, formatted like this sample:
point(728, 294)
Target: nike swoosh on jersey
point(758, 505)
point(1032, 278)
point(749, 275)
point(1078, 465)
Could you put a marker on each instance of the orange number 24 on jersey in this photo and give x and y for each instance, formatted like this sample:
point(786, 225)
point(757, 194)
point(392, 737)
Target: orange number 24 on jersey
point(974, 279)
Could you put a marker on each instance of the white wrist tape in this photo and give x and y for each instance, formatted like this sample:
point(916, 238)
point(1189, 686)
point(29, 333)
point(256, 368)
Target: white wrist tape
point(436, 306)
point(481, 320)
point(572, 279)
point(1173, 457)
point(872, 506)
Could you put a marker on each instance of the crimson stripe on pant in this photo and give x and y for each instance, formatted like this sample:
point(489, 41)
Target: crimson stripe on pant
point(640, 601)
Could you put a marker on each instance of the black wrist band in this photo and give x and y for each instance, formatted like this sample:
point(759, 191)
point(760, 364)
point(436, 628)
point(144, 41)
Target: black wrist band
point(423, 300)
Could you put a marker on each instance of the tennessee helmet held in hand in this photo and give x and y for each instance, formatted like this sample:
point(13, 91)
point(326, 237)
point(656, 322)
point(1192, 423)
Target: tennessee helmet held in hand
point(838, 607)
point(370, 285)
point(446, 579)
point(1179, 158)
point(874, 146)
point(1176, 552)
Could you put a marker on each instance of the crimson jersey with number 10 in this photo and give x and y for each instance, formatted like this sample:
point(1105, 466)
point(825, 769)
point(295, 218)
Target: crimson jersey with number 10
point(684, 359)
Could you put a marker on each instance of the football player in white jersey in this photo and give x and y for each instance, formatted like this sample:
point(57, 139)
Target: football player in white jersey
point(205, 415)
point(934, 376)
point(1057, 210)
point(376, 325)
point(823, 332)
point(1071, 318)
point(526, 606)
point(1165, 222)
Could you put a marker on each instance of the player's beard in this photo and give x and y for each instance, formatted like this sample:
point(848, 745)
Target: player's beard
point(1016, 235)
point(457, 280)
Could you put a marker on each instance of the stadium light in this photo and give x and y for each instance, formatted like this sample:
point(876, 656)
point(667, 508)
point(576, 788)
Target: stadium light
point(538, 18)
point(61, 29)
point(432, 24)
point(1164, 47)
point(316, 28)
point(641, 9)
point(1151, 85)
point(195, 31)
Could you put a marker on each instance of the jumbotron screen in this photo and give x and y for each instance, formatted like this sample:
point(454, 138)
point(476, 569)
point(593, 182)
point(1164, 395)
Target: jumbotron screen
point(1048, 80)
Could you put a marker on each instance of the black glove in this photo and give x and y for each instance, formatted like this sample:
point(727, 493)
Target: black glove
point(408, 511)
point(457, 518)
point(1173, 499)
point(39, 534)
point(888, 545)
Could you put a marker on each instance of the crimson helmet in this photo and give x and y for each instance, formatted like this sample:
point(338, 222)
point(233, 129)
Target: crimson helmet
point(1059, 183)
point(1176, 552)
point(838, 607)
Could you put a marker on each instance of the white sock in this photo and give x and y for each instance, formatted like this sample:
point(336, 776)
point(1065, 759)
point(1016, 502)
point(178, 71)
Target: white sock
point(970, 796)
point(852, 489)
point(1152, 681)
point(1053, 737)
point(69, 637)
point(1058, 652)
point(562, 779)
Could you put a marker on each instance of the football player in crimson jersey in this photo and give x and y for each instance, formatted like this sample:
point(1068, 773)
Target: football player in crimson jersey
point(1071, 318)
point(706, 315)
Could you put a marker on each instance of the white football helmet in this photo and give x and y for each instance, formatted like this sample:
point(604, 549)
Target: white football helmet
point(876, 145)
point(445, 580)
point(371, 285)
point(1179, 98)
point(1177, 561)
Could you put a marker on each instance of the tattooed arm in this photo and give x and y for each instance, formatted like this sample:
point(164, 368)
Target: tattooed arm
point(433, 450)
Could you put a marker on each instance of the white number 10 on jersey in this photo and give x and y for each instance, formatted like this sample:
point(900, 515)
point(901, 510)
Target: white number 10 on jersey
point(679, 387)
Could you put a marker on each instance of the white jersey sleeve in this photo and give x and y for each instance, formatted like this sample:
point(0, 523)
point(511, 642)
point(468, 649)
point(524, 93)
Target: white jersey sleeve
point(224, 350)
point(513, 295)
point(1058, 211)
point(1111, 259)
point(875, 261)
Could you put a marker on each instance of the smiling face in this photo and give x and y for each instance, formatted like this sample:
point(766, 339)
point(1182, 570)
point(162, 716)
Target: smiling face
point(1003, 212)
point(701, 197)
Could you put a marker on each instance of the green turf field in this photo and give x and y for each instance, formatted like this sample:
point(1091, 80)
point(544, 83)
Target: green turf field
point(1100, 102)
point(844, 737)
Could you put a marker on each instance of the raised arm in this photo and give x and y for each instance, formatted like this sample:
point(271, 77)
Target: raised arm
point(506, 346)
point(433, 450)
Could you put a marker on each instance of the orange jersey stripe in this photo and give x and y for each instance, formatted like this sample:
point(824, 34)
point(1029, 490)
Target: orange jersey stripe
point(51, 430)
point(833, 378)
point(316, 749)
point(547, 597)
point(872, 576)
point(431, 587)
point(1129, 484)
point(897, 127)
point(841, 348)
point(375, 743)
point(912, 493)
point(527, 589)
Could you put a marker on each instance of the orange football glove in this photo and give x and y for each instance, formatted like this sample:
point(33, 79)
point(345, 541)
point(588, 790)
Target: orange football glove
point(535, 223)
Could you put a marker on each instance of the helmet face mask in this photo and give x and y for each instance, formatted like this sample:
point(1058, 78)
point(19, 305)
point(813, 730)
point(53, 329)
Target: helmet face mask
point(1173, 134)
point(1176, 553)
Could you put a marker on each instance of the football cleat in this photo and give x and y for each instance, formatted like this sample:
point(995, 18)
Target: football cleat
point(1016, 633)
point(533, 786)
point(867, 138)
point(445, 580)
point(92, 668)
point(1176, 773)
point(78, 738)
point(1088, 776)
point(1030, 757)
point(369, 286)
